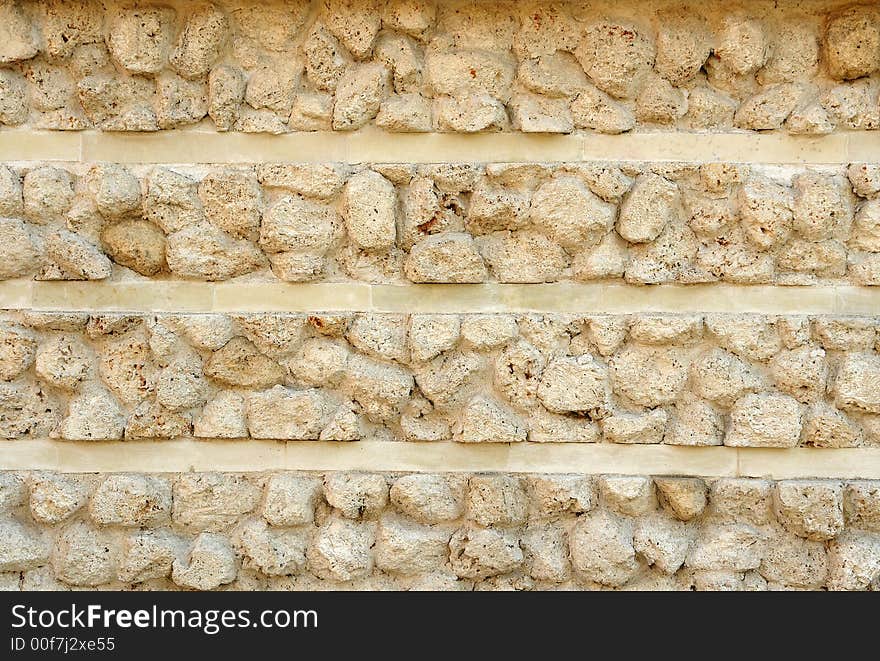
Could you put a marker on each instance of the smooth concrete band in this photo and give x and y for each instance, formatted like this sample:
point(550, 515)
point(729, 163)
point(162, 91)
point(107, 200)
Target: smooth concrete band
point(561, 297)
point(375, 146)
point(253, 456)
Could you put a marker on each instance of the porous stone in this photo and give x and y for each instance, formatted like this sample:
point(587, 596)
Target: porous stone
point(571, 214)
point(212, 501)
point(342, 549)
point(291, 500)
point(427, 498)
point(477, 553)
point(616, 56)
point(650, 204)
point(21, 547)
point(369, 209)
point(813, 510)
point(132, 500)
point(209, 563)
point(404, 547)
point(764, 420)
point(602, 551)
point(84, 556)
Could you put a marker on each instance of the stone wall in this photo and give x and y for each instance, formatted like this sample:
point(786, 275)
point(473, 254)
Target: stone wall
point(693, 380)
point(345, 530)
point(645, 355)
point(444, 223)
point(419, 65)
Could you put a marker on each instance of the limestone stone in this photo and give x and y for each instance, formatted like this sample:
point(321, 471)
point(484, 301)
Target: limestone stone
point(616, 56)
point(356, 495)
point(629, 496)
point(202, 251)
point(209, 563)
point(685, 497)
point(477, 553)
point(683, 45)
point(853, 561)
point(546, 553)
point(794, 562)
point(560, 494)
point(14, 106)
point(494, 208)
point(497, 501)
point(524, 257)
point(140, 38)
point(638, 428)
point(470, 113)
point(857, 385)
point(449, 258)
point(852, 43)
point(405, 113)
point(650, 204)
point(810, 509)
point(571, 214)
point(149, 554)
point(22, 547)
point(826, 427)
point(26, 409)
point(602, 551)
point(742, 499)
point(749, 339)
point(432, 334)
point(662, 541)
point(860, 505)
point(342, 549)
point(274, 552)
point(821, 206)
point(212, 501)
point(239, 363)
point(132, 500)
point(770, 108)
point(285, 414)
point(694, 421)
point(737, 547)
point(404, 547)
point(226, 90)
point(764, 420)
point(485, 420)
point(594, 109)
point(369, 209)
point(151, 420)
point(427, 498)
point(93, 415)
point(379, 388)
point(659, 102)
point(199, 42)
point(319, 361)
point(359, 93)
point(84, 556)
point(648, 376)
point(291, 499)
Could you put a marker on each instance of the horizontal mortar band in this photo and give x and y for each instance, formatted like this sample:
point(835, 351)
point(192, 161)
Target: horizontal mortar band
point(561, 297)
point(252, 456)
point(375, 146)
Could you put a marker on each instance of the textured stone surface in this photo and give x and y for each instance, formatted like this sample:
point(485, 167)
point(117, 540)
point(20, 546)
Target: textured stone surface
point(295, 530)
point(447, 66)
point(642, 223)
point(474, 378)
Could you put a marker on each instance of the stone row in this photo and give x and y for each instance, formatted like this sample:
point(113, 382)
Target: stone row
point(698, 380)
point(443, 223)
point(420, 65)
point(345, 530)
